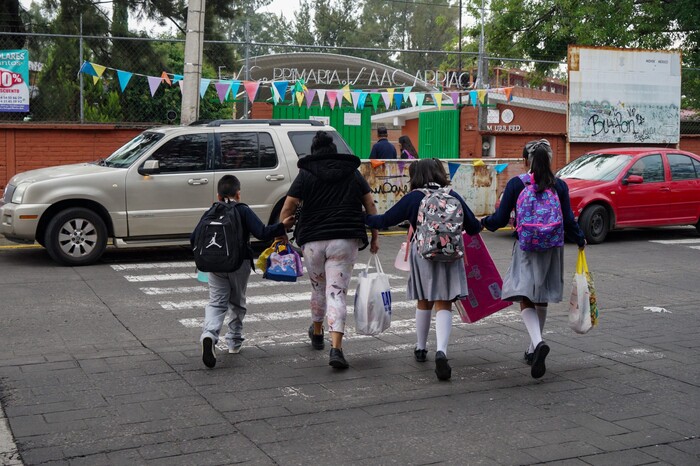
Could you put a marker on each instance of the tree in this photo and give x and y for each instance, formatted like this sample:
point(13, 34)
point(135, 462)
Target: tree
point(10, 22)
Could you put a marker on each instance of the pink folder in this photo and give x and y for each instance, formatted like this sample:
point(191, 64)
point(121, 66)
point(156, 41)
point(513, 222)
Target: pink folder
point(483, 280)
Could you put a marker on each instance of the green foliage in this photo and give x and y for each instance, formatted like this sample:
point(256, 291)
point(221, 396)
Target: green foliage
point(106, 110)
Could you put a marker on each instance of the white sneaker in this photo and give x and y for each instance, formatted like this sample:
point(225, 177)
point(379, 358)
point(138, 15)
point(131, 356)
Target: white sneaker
point(235, 348)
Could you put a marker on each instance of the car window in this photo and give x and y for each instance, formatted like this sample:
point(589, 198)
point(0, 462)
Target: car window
point(595, 167)
point(245, 151)
point(182, 154)
point(132, 150)
point(650, 167)
point(301, 140)
point(682, 167)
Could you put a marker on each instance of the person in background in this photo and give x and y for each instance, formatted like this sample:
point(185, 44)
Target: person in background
point(434, 285)
point(407, 149)
point(330, 230)
point(228, 290)
point(535, 278)
point(383, 149)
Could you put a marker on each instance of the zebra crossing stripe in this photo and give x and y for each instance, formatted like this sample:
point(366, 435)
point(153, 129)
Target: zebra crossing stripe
point(154, 265)
point(251, 300)
point(676, 241)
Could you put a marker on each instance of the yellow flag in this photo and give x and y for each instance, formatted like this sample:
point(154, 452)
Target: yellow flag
point(346, 93)
point(99, 69)
point(482, 95)
point(95, 79)
point(437, 96)
point(300, 98)
point(479, 163)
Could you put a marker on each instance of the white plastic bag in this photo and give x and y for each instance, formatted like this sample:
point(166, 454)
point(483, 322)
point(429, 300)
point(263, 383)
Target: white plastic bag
point(580, 302)
point(372, 300)
point(401, 262)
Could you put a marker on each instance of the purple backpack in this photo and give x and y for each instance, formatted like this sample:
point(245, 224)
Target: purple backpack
point(540, 222)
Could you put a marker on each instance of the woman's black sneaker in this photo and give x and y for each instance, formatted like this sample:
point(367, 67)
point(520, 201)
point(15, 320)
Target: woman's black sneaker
point(528, 357)
point(337, 360)
point(420, 354)
point(208, 352)
point(538, 367)
point(316, 340)
point(442, 368)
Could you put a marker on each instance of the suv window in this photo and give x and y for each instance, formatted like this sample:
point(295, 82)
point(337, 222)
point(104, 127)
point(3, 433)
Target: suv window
point(240, 151)
point(651, 168)
point(682, 167)
point(183, 154)
point(301, 140)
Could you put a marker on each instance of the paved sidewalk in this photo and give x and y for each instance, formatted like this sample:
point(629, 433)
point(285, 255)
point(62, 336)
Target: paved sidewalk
point(94, 372)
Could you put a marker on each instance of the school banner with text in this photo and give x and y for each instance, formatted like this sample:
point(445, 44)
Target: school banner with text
point(14, 81)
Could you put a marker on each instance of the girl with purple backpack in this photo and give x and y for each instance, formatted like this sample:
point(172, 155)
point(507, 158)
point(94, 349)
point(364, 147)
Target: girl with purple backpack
point(433, 284)
point(536, 273)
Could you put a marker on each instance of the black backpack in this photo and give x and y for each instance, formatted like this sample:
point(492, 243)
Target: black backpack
point(219, 245)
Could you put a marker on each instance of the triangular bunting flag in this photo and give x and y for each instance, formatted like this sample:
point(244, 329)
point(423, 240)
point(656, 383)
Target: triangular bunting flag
point(482, 95)
point(99, 69)
point(309, 94)
point(455, 98)
point(88, 69)
point(401, 166)
point(177, 78)
point(235, 85)
point(376, 163)
point(222, 89)
point(453, 167)
point(375, 99)
point(251, 88)
point(500, 167)
point(281, 87)
point(420, 98)
point(386, 99)
point(332, 98)
point(361, 101)
point(390, 91)
point(437, 98)
point(509, 92)
point(473, 97)
point(355, 98)
point(406, 93)
point(346, 93)
point(124, 77)
point(203, 85)
point(275, 95)
point(339, 97)
point(300, 97)
point(398, 98)
point(321, 96)
point(412, 97)
point(164, 76)
point(153, 83)
point(182, 84)
point(95, 79)
point(479, 163)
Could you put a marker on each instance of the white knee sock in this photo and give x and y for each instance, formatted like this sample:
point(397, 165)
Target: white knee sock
point(532, 323)
point(443, 327)
point(542, 317)
point(422, 327)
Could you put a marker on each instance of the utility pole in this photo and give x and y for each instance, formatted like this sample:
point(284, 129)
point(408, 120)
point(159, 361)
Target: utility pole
point(247, 64)
point(459, 66)
point(194, 44)
point(481, 69)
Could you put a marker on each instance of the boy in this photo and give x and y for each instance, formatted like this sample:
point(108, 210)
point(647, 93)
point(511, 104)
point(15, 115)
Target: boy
point(228, 289)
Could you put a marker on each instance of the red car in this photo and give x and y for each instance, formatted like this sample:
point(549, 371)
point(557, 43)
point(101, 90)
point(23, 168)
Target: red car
point(633, 187)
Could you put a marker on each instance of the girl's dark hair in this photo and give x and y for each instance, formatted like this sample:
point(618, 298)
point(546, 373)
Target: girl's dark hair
point(540, 159)
point(322, 144)
point(406, 144)
point(426, 171)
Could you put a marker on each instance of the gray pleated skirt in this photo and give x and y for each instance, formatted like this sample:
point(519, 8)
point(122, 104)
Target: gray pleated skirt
point(537, 276)
point(435, 281)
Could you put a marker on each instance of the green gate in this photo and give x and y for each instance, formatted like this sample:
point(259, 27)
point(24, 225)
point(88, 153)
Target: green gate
point(438, 134)
point(357, 136)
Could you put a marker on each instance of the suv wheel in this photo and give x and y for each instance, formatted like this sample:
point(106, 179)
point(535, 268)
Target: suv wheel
point(595, 223)
point(697, 226)
point(76, 236)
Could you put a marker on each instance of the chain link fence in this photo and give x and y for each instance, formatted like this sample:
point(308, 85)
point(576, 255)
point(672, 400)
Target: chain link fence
point(138, 79)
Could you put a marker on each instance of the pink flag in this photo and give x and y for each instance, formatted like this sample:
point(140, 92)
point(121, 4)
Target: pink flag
point(251, 88)
point(222, 90)
point(331, 98)
point(309, 97)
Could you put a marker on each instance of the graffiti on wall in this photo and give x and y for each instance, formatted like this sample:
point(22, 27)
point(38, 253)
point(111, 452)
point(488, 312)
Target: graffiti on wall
point(389, 182)
point(620, 122)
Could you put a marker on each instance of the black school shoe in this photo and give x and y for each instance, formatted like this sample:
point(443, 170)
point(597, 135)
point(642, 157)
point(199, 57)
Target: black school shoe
point(442, 368)
point(421, 355)
point(538, 357)
point(208, 352)
point(528, 357)
point(316, 340)
point(337, 360)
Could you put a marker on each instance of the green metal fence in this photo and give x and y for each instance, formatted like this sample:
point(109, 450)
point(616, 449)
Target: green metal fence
point(438, 134)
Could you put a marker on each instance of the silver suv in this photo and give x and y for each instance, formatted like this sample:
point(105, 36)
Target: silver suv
point(153, 190)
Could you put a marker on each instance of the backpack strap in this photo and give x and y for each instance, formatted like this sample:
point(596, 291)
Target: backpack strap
point(526, 178)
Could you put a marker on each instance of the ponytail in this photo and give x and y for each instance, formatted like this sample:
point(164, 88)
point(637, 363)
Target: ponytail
point(540, 158)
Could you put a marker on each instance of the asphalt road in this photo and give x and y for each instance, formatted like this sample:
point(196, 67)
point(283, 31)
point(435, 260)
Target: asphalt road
point(101, 365)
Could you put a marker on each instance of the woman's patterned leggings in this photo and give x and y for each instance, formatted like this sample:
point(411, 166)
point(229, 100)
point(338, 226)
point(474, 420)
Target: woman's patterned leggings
point(329, 264)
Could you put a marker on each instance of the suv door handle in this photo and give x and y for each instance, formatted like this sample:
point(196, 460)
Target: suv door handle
point(665, 189)
point(274, 177)
point(197, 181)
